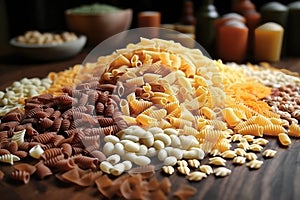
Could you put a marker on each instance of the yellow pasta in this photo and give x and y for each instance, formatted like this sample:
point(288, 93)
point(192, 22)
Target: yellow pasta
point(139, 106)
point(158, 114)
point(294, 130)
point(284, 139)
point(145, 120)
point(207, 112)
point(252, 129)
point(273, 130)
point(230, 117)
point(179, 123)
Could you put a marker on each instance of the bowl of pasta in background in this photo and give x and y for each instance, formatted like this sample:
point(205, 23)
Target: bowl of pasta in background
point(98, 21)
point(47, 51)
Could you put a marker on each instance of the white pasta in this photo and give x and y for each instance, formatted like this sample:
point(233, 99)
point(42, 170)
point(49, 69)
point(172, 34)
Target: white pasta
point(269, 153)
point(18, 136)
point(228, 154)
point(108, 148)
point(113, 159)
point(164, 138)
point(170, 161)
point(255, 164)
point(217, 161)
point(251, 156)
point(255, 147)
point(9, 158)
point(168, 170)
point(240, 152)
point(196, 176)
point(106, 166)
point(36, 151)
point(194, 163)
point(176, 152)
point(183, 170)
point(162, 154)
point(142, 160)
point(131, 146)
point(239, 160)
point(206, 169)
point(127, 165)
point(222, 171)
point(117, 169)
point(111, 138)
point(182, 163)
point(260, 141)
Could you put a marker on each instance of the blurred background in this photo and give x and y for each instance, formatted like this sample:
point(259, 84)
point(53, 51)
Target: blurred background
point(17, 16)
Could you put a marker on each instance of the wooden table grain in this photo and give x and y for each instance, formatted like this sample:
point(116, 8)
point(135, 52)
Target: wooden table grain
point(277, 179)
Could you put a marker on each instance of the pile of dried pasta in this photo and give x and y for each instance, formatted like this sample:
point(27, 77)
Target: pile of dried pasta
point(155, 105)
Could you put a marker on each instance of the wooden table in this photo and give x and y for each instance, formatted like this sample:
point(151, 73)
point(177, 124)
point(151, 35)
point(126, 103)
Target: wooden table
point(278, 178)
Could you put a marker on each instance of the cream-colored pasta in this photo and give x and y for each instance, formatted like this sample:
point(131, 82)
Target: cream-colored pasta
point(249, 138)
point(255, 147)
point(168, 170)
point(255, 164)
point(194, 163)
point(250, 156)
point(222, 171)
point(124, 106)
point(269, 153)
point(261, 141)
point(207, 169)
point(239, 160)
point(196, 176)
point(19, 136)
point(228, 154)
point(252, 129)
point(36, 151)
point(9, 158)
point(240, 152)
point(183, 170)
point(217, 161)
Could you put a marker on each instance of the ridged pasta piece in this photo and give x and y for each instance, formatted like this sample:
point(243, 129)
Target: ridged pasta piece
point(18, 136)
point(255, 164)
point(294, 130)
point(252, 129)
point(269, 153)
point(284, 139)
point(230, 117)
point(9, 158)
point(21, 175)
point(222, 171)
point(42, 170)
point(239, 160)
point(179, 123)
point(273, 130)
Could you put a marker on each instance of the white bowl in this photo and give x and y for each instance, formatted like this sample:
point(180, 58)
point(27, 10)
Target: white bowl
point(49, 52)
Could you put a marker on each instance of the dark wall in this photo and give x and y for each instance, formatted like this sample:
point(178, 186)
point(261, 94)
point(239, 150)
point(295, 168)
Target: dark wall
point(48, 15)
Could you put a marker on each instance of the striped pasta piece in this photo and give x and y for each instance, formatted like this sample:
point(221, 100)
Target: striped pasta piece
point(50, 153)
point(179, 123)
point(43, 138)
point(42, 170)
point(86, 162)
point(146, 120)
point(230, 117)
point(138, 106)
point(21, 175)
point(252, 129)
point(294, 130)
point(124, 107)
point(284, 139)
point(273, 130)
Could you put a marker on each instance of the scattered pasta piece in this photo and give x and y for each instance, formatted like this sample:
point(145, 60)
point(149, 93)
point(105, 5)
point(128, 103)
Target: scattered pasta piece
point(217, 161)
point(239, 160)
point(269, 153)
point(255, 164)
point(222, 171)
point(206, 169)
point(196, 176)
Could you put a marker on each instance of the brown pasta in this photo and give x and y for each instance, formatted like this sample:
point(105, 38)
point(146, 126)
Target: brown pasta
point(1, 175)
point(42, 170)
point(105, 121)
point(56, 114)
point(86, 162)
point(66, 150)
point(8, 125)
point(3, 137)
point(14, 115)
point(98, 154)
point(103, 96)
point(4, 151)
point(43, 138)
point(52, 161)
point(25, 167)
point(50, 153)
point(21, 154)
point(46, 123)
point(184, 192)
point(30, 113)
point(12, 146)
point(22, 176)
point(100, 108)
point(65, 165)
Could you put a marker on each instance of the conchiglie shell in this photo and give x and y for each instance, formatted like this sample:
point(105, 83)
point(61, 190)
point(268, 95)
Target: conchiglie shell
point(230, 117)
point(294, 130)
point(207, 112)
point(252, 129)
